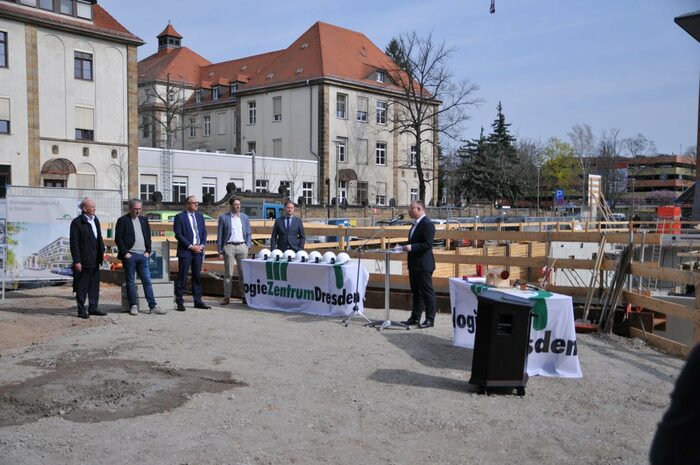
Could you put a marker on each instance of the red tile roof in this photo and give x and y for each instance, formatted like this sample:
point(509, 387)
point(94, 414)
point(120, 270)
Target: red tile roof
point(183, 64)
point(102, 22)
point(323, 51)
point(169, 31)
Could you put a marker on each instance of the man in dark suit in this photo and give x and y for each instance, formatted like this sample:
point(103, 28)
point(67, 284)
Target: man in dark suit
point(133, 237)
point(288, 231)
point(234, 238)
point(87, 251)
point(421, 264)
point(191, 234)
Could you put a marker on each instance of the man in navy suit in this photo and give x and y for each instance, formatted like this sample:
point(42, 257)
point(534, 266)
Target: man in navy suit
point(421, 264)
point(191, 234)
point(87, 250)
point(132, 235)
point(288, 231)
point(234, 238)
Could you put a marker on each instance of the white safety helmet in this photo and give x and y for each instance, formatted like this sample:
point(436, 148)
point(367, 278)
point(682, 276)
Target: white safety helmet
point(315, 257)
point(302, 256)
point(342, 258)
point(276, 254)
point(289, 255)
point(264, 254)
point(329, 257)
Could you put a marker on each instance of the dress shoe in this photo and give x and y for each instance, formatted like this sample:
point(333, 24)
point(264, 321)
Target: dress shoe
point(243, 301)
point(97, 312)
point(202, 305)
point(180, 308)
point(225, 301)
point(410, 322)
point(427, 324)
point(84, 315)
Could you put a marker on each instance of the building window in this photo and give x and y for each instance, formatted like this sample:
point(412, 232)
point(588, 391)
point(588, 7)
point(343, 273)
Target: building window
point(209, 187)
point(193, 129)
point(85, 175)
point(239, 184)
point(261, 185)
point(362, 105)
point(341, 146)
point(380, 153)
point(179, 188)
point(414, 194)
point(277, 108)
point(84, 123)
point(380, 76)
point(207, 125)
point(287, 186)
point(251, 146)
point(362, 151)
point(381, 193)
point(5, 179)
point(342, 192)
point(83, 66)
point(66, 7)
point(362, 193)
point(147, 187)
point(232, 88)
point(3, 49)
point(4, 115)
point(307, 192)
point(197, 96)
point(46, 4)
point(381, 112)
point(215, 93)
point(252, 112)
point(83, 9)
point(341, 106)
point(412, 157)
point(146, 126)
point(277, 147)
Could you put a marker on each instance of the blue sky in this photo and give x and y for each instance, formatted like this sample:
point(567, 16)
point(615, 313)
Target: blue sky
point(611, 64)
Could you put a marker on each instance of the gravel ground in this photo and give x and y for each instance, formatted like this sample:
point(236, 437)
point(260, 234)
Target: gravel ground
point(236, 386)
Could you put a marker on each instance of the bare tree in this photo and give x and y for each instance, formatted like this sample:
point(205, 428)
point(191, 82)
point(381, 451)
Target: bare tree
point(162, 104)
point(118, 173)
point(609, 146)
point(433, 102)
point(639, 145)
point(583, 143)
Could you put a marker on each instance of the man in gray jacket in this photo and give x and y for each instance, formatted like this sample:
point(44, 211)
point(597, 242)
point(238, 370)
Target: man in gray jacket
point(234, 239)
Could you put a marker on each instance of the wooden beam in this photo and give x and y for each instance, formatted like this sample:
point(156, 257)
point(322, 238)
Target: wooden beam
point(667, 345)
point(663, 306)
point(652, 270)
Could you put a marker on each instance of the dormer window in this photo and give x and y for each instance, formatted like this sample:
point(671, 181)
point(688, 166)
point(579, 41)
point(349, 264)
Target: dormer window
point(305, 45)
point(380, 76)
point(269, 76)
point(78, 8)
point(244, 67)
point(215, 93)
point(198, 96)
point(299, 70)
point(233, 87)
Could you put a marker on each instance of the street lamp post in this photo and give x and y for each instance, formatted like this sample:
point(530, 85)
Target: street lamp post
point(337, 162)
point(538, 166)
point(252, 154)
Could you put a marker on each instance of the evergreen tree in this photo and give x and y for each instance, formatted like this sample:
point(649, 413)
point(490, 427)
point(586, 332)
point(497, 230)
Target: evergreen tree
point(478, 170)
point(500, 148)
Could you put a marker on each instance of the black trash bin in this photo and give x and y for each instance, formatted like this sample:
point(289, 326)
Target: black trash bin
point(501, 341)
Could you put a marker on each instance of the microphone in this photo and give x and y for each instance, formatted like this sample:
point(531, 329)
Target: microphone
point(394, 220)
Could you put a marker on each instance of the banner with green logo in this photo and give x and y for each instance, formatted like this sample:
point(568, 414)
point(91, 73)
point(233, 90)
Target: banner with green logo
point(316, 288)
point(552, 351)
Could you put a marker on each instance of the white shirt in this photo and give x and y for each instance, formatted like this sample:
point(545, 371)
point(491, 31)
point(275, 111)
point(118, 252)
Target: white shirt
point(91, 220)
point(236, 229)
point(413, 228)
point(193, 225)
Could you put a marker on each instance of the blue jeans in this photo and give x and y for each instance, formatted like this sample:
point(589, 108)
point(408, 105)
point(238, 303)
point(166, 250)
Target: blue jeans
point(138, 263)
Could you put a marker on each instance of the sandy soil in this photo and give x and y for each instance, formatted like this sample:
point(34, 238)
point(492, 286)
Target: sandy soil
point(235, 386)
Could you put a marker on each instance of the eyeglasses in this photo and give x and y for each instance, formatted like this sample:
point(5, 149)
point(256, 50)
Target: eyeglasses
point(193, 203)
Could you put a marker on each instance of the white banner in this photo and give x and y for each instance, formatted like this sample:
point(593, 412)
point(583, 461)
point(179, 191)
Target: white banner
point(316, 288)
point(552, 351)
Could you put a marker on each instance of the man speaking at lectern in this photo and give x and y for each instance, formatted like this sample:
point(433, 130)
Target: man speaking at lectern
point(421, 264)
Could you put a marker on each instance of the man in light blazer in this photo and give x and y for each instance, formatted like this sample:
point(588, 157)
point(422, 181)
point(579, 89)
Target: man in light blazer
point(191, 234)
point(288, 231)
point(421, 264)
point(234, 238)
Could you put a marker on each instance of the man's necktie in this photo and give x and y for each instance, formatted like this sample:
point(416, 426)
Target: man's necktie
point(194, 227)
point(287, 222)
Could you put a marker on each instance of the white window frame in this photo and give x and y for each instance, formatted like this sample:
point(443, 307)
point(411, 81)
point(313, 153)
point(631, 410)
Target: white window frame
point(381, 111)
point(209, 186)
point(276, 109)
point(307, 192)
point(380, 154)
point(148, 184)
point(179, 182)
point(362, 114)
point(262, 185)
point(252, 112)
point(341, 106)
point(413, 195)
point(198, 96)
point(207, 126)
point(193, 127)
point(412, 159)
point(215, 93)
point(341, 150)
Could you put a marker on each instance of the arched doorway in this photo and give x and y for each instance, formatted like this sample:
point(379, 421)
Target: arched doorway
point(55, 172)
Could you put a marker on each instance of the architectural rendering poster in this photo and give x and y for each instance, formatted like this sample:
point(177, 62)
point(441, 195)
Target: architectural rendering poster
point(37, 237)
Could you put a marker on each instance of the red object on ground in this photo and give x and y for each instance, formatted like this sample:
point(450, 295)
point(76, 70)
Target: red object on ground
point(669, 220)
